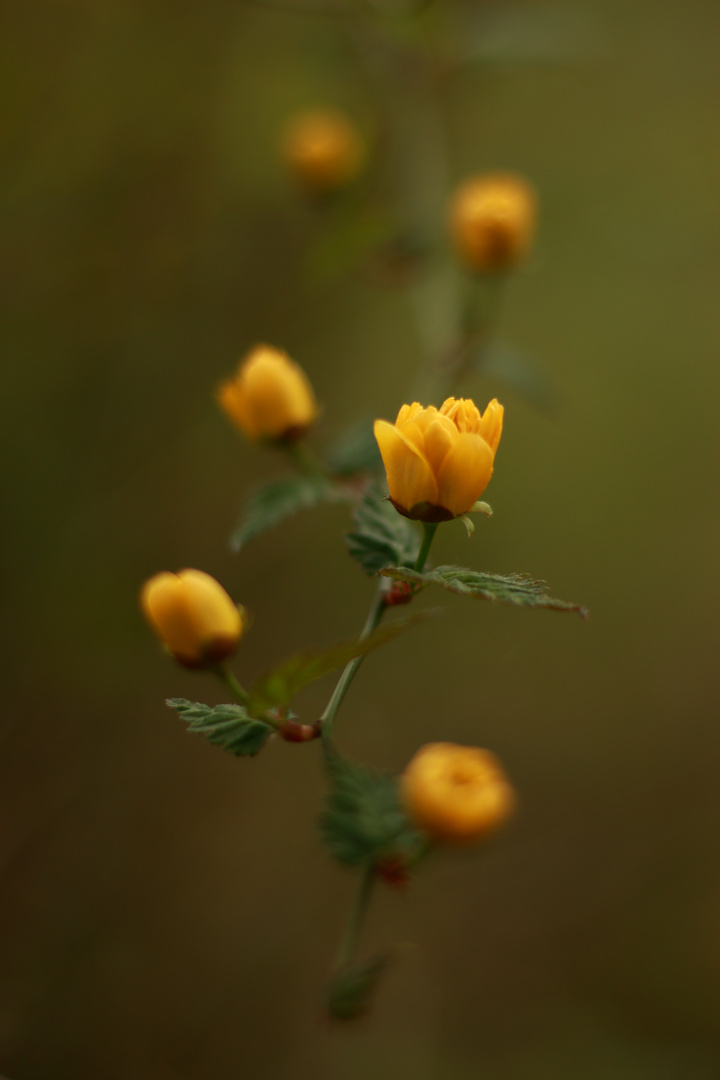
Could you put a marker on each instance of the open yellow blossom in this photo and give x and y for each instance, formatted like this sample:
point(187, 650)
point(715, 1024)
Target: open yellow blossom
point(193, 615)
point(492, 221)
point(457, 794)
point(323, 149)
point(439, 461)
point(270, 397)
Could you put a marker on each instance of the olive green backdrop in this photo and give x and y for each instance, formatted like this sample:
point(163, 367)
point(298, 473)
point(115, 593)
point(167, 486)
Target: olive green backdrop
point(165, 909)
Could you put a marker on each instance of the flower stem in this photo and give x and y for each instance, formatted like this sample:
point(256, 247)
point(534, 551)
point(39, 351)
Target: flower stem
point(349, 671)
point(241, 695)
point(356, 916)
point(429, 530)
point(231, 681)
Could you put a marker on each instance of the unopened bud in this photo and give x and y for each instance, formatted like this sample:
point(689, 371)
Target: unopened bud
point(492, 221)
point(323, 149)
point(456, 794)
point(270, 397)
point(193, 615)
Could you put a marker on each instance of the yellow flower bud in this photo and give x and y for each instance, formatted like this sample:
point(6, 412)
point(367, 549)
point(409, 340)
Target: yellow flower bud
point(457, 794)
point(193, 615)
point(492, 221)
point(439, 461)
point(323, 150)
point(270, 397)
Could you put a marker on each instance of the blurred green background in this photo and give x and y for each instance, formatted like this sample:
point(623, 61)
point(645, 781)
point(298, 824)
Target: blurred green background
point(166, 910)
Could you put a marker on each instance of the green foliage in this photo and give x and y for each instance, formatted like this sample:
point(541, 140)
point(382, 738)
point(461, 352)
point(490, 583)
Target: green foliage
point(356, 451)
point(382, 537)
point(228, 726)
point(520, 590)
point(350, 991)
point(281, 499)
point(279, 686)
point(364, 821)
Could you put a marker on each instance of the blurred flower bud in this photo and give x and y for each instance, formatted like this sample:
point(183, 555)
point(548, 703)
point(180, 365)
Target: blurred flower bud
point(270, 397)
point(439, 461)
point(492, 221)
point(457, 794)
point(323, 150)
point(193, 615)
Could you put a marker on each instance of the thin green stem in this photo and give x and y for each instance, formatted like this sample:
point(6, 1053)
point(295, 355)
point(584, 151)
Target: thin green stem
point(349, 671)
point(356, 916)
point(234, 685)
point(240, 693)
point(429, 530)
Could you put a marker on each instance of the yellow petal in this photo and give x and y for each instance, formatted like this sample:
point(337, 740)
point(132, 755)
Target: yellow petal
point(192, 614)
point(458, 794)
point(410, 479)
point(491, 424)
point(233, 400)
point(270, 396)
point(408, 412)
point(213, 612)
point(464, 414)
point(464, 473)
point(424, 417)
point(278, 396)
point(440, 435)
point(413, 434)
point(164, 601)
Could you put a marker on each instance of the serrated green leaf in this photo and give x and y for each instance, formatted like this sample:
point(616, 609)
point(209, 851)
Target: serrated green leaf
point(279, 686)
point(356, 451)
point(228, 726)
point(364, 821)
point(281, 499)
point(350, 991)
point(519, 590)
point(381, 537)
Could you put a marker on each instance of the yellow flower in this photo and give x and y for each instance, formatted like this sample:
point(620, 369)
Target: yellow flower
point(323, 149)
point(270, 397)
point(193, 615)
point(457, 794)
point(439, 461)
point(492, 221)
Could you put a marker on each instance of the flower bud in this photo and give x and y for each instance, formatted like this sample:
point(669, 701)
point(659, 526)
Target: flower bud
point(323, 150)
point(439, 461)
point(457, 794)
point(492, 221)
point(270, 397)
point(193, 615)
